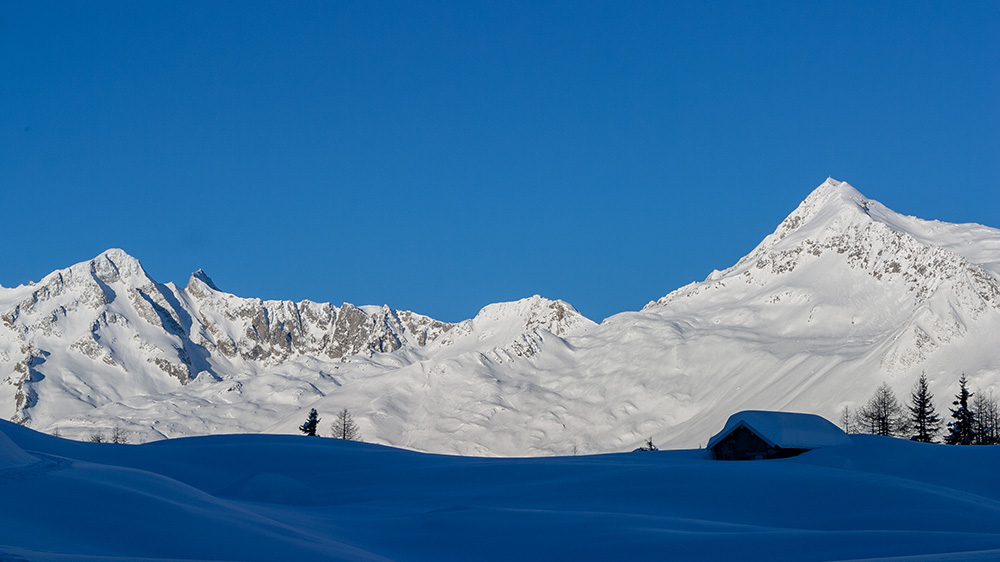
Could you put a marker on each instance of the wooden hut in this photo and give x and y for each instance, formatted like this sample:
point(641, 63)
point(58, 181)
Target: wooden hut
point(756, 434)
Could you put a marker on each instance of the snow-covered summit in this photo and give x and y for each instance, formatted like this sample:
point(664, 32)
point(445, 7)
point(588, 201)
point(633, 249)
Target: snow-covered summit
point(835, 209)
point(535, 313)
point(111, 266)
point(832, 205)
point(199, 278)
point(515, 328)
point(837, 223)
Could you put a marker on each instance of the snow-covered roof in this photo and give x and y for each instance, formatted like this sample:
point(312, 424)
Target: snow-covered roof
point(788, 430)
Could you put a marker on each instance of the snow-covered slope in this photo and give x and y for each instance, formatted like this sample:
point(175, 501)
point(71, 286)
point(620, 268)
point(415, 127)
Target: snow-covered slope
point(283, 497)
point(844, 295)
point(101, 344)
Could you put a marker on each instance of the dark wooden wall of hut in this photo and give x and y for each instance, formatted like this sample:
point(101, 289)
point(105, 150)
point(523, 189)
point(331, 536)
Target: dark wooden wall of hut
point(742, 444)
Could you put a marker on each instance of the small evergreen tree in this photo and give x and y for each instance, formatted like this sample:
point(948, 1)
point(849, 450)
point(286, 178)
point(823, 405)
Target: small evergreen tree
point(961, 431)
point(648, 446)
point(312, 422)
point(345, 428)
point(923, 418)
point(882, 414)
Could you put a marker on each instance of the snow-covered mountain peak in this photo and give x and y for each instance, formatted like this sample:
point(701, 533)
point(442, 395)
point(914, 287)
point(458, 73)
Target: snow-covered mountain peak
point(116, 265)
point(833, 192)
point(110, 266)
point(838, 246)
point(830, 207)
point(92, 283)
point(534, 313)
point(837, 216)
point(201, 286)
point(516, 328)
point(200, 277)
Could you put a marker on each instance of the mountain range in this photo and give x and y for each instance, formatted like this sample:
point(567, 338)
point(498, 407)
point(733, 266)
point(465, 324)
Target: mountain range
point(844, 295)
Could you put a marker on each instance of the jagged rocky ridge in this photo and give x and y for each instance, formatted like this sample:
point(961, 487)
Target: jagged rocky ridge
point(844, 295)
point(110, 311)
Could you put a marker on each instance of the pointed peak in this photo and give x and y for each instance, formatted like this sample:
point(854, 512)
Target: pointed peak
point(116, 264)
point(201, 276)
point(832, 198)
point(834, 192)
point(117, 256)
point(831, 183)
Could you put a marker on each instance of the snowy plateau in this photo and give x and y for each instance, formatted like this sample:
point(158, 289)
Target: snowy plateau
point(843, 296)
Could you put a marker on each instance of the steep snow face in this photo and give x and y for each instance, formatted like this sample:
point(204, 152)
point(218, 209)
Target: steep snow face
point(844, 295)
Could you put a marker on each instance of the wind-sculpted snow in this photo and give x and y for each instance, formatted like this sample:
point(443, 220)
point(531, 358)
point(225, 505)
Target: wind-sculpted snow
point(844, 295)
point(282, 497)
point(12, 456)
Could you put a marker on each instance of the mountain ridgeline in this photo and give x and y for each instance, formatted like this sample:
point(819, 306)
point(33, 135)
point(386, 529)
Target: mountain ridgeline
point(843, 296)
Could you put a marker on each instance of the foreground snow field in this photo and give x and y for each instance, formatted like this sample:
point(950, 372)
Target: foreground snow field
point(276, 497)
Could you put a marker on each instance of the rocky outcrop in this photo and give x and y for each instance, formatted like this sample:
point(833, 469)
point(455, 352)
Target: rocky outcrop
point(273, 331)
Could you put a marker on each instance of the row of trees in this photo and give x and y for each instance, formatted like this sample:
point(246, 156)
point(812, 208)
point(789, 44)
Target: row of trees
point(118, 435)
point(343, 426)
point(975, 416)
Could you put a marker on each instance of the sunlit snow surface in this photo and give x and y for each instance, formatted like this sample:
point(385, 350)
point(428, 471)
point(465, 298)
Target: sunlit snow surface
point(845, 295)
point(267, 498)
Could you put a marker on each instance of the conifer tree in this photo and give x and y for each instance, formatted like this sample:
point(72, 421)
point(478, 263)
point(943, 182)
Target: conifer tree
point(924, 419)
point(962, 430)
point(345, 428)
point(312, 422)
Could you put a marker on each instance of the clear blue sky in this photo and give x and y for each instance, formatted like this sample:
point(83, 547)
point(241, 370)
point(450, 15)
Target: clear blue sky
point(440, 156)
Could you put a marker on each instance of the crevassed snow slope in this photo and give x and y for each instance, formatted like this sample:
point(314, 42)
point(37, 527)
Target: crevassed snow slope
point(844, 295)
point(277, 497)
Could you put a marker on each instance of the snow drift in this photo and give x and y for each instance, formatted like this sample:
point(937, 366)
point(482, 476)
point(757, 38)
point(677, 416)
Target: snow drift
point(257, 497)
